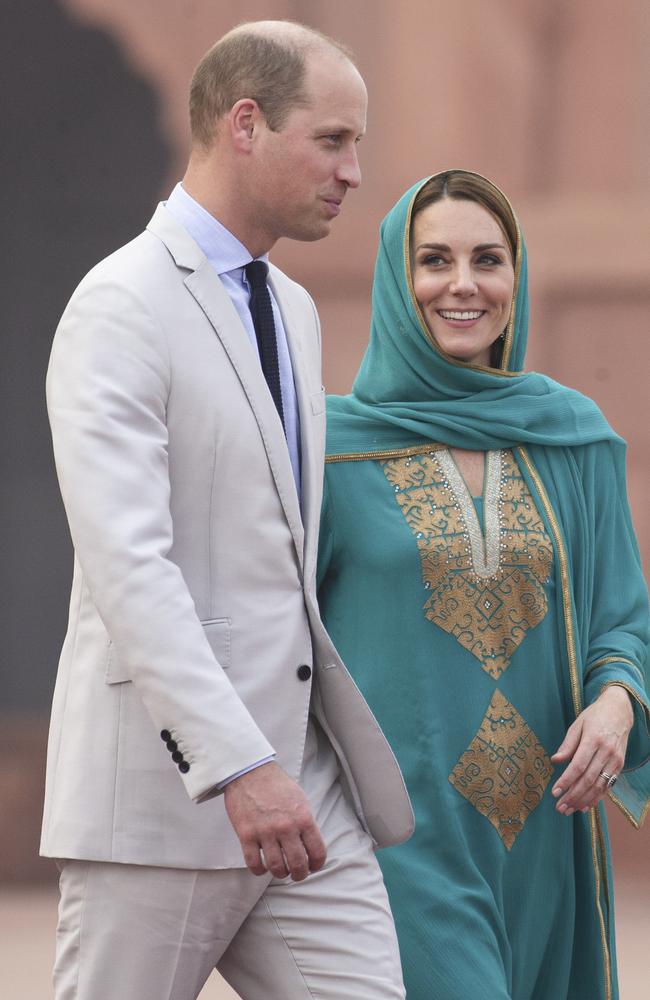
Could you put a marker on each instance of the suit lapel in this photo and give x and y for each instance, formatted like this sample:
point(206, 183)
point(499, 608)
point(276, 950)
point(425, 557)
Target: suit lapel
point(204, 285)
point(311, 459)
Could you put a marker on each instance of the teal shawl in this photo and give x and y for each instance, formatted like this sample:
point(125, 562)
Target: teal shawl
point(408, 392)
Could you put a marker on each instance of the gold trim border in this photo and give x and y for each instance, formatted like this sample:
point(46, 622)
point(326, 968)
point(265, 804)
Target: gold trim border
point(637, 824)
point(605, 660)
point(597, 838)
point(363, 456)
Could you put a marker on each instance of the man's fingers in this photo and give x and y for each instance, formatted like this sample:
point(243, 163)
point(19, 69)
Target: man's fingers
point(297, 862)
point(315, 847)
point(269, 810)
point(274, 858)
point(253, 859)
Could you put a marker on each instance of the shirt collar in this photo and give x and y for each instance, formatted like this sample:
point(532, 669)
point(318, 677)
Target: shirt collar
point(223, 250)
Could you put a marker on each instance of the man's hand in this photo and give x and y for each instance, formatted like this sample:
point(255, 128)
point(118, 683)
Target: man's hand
point(275, 826)
point(595, 742)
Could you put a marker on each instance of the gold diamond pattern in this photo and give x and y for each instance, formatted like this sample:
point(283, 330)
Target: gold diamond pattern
point(504, 771)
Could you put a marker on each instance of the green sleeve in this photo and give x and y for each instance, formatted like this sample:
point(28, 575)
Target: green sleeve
point(619, 622)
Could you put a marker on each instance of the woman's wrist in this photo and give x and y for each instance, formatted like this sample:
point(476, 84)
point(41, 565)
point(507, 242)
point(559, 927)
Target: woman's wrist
point(619, 695)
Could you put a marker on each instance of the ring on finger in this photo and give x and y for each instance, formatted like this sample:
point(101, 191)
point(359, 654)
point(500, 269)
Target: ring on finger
point(609, 779)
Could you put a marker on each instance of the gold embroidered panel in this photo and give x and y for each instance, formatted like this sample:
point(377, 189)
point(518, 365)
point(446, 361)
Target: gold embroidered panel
point(504, 771)
point(486, 585)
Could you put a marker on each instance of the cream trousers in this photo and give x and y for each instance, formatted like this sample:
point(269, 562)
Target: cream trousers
point(132, 932)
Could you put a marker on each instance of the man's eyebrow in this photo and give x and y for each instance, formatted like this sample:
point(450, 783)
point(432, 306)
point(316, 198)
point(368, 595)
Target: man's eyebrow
point(338, 129)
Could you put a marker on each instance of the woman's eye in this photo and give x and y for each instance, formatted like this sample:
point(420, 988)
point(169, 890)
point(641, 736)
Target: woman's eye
point(489, 258)
point(433, 259)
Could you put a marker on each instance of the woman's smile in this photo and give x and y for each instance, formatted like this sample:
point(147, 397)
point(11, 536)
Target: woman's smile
point(461, 317)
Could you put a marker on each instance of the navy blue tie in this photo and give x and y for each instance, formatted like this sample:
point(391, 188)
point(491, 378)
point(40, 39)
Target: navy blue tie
point(262, 313)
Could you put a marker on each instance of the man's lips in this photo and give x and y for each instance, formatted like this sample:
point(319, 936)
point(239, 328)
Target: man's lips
point(334, 204)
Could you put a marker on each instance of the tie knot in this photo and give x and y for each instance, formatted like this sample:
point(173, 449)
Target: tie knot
point(256, 273)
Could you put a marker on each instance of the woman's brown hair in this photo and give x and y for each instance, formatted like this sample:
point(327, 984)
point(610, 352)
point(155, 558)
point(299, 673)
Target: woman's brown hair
point(462, 185)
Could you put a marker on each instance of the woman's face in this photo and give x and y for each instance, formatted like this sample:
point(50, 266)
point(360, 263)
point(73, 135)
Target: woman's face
point(463, 277)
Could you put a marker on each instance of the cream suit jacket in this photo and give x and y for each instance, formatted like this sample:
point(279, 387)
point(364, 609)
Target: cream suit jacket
point(193, 599)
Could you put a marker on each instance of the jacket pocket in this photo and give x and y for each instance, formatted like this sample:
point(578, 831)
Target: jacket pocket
point(217, 632)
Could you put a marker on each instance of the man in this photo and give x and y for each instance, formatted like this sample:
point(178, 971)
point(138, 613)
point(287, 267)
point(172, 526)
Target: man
point(188, 423)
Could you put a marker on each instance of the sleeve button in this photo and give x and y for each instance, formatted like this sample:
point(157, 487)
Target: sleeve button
point(165, 735)
point(172, 745)
point(183, 767)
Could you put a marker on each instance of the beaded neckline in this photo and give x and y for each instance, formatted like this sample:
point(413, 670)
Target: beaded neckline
point(485, 548)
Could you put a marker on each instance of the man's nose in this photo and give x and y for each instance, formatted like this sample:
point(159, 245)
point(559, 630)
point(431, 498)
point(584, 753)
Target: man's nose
point(349, 170)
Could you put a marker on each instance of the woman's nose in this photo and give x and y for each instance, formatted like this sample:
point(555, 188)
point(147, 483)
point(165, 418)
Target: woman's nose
point(462, 280)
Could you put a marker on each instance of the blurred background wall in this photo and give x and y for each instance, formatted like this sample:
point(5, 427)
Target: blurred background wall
point(546, 97)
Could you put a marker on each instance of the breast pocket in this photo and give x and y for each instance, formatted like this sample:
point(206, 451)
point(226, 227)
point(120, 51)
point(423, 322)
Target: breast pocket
point(318, 402)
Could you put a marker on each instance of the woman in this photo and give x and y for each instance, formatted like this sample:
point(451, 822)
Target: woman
point(480, 577)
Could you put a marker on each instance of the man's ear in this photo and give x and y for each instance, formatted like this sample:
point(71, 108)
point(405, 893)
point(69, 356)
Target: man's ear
point(244, 119)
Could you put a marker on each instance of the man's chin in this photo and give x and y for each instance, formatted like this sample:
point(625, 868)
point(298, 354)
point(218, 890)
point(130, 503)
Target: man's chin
point(310, 233)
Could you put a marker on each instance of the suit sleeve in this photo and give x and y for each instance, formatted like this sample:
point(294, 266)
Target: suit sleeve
point(107, 389)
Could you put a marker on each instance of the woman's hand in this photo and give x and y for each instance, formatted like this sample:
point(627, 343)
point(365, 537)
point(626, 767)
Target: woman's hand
point(595, 742)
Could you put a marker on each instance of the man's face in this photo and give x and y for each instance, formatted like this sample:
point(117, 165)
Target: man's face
point(304, 170)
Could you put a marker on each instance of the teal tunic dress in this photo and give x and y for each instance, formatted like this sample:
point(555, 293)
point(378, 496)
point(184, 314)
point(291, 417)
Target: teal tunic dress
point(448, 612)
point(477, 629)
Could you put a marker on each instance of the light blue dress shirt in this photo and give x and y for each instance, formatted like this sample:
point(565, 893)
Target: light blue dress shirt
point(228, 257)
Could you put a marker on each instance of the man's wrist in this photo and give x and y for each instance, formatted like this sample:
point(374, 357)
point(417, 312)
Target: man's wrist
point(245, 770)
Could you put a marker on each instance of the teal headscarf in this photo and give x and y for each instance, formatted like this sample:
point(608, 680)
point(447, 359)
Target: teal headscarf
point(408, 391)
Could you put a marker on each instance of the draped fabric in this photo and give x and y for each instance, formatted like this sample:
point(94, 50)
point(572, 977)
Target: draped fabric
point(407, 401)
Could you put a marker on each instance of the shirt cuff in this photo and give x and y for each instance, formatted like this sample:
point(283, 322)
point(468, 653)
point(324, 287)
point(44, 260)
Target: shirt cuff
point(251, 767)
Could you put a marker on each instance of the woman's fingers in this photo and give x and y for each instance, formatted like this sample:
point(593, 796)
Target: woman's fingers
point(570, 743)
point(587, 789)
point(594, 743)
point(565, 788)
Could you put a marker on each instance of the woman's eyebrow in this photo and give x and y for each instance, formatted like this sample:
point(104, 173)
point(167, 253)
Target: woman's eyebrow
point(444, 246)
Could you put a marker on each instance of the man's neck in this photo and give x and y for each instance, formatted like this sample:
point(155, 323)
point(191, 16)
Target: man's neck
point(224, 200)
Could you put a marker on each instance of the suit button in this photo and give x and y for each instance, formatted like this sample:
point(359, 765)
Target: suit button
point(172, 745)
point(165, 735)
point(183, 767)
point(177, 756)
point(304, 672)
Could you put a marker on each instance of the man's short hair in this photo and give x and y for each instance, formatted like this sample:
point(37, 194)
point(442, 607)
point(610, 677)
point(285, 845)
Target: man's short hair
point(268, 67)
